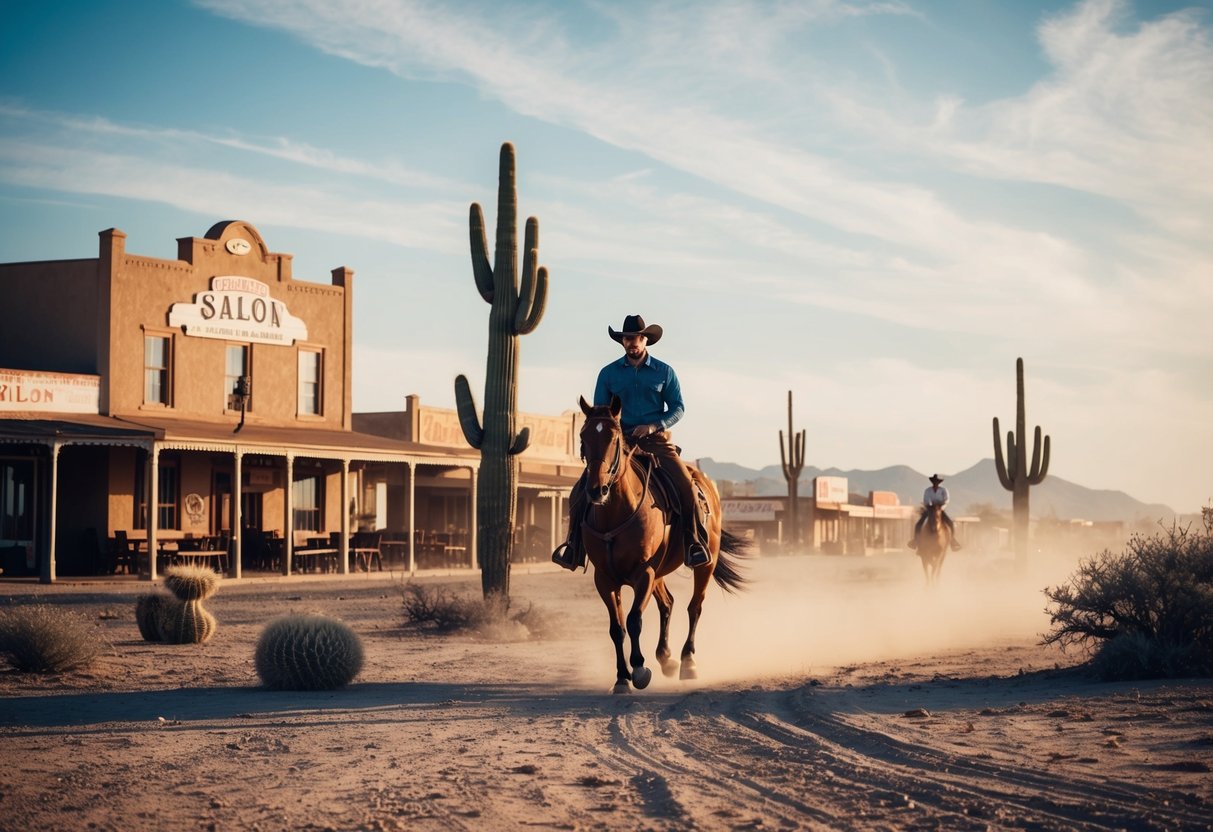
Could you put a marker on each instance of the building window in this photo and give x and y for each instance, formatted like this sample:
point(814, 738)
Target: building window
point(16, 500)
point(308, 500)
point(237, 365)
point(157, 370)
point(310, 387)
point(168, 501)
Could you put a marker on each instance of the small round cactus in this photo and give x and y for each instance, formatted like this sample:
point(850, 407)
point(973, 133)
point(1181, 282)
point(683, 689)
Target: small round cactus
point(149, 609)
point(185, 622)
point(307, 652)
point(191, 583)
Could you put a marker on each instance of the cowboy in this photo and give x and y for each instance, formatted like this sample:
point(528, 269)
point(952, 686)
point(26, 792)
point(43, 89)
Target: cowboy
point(652, 403)
point(936, 495)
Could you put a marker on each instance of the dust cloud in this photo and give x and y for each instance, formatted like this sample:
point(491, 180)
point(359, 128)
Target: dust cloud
point(808, 615)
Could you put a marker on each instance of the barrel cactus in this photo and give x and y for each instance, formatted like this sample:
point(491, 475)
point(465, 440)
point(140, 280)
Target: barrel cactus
point(307, 652)
point(183, 619)
point(149, 609)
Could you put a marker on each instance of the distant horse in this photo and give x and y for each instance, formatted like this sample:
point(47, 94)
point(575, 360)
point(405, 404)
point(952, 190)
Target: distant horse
point(933, 542)
point(627, 540)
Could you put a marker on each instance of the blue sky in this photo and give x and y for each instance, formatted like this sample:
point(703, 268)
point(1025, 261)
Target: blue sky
point(876, 205)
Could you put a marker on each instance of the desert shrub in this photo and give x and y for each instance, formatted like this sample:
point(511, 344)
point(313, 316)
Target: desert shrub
point(42, 639)
point(445, 612)
point(307, 652)
point(1144, 613)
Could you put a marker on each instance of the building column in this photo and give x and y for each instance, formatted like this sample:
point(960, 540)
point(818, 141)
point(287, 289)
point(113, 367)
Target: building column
point(554, 528)
point(236, 544)
point(473, 522)
point(288, 521)
point(48, 570)
point(343, 548)
point(410, 475)
point(153, 508)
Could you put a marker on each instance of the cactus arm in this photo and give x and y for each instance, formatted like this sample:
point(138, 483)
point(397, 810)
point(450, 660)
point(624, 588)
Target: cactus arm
point(783, 458)
point(800, 452)
point(999, 464)
point(1040, 463)
point(521, 442)
point(481, 270)
point(472, 432)
point(525, 324)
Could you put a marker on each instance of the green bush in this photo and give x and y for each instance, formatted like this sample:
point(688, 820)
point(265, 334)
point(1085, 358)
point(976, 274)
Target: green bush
point(43, 639)
point(1145, 613)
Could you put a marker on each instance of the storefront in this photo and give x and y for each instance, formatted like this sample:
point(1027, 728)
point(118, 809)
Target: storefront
point(203, 404)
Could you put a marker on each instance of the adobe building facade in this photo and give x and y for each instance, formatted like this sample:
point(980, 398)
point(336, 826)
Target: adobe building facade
point(147, 402)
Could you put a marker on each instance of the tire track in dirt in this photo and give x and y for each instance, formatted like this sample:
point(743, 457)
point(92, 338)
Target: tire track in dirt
point(876, 759)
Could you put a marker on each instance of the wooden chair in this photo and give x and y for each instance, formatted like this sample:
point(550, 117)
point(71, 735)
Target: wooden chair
point(365, 548)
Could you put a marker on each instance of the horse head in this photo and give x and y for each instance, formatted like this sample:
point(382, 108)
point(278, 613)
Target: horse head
point(602, 448)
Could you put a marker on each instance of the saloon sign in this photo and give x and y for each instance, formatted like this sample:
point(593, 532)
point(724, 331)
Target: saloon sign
point(238, 309)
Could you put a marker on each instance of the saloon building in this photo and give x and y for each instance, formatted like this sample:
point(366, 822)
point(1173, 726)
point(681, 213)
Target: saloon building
point(201, 407)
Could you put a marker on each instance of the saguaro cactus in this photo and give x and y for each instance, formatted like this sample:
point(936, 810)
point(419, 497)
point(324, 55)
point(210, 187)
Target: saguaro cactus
point(792, 461)
point(514, 312)
point(1014, 473)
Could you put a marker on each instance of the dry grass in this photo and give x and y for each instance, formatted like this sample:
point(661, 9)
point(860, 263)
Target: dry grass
point(44, 639)
point(443, 611)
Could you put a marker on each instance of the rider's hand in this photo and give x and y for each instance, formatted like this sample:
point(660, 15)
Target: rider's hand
point(642, 431)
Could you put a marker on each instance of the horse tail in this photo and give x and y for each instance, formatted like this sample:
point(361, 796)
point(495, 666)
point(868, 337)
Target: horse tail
point(728, 571)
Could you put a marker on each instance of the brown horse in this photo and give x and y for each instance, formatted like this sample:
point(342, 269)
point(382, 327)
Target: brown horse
point(627, 540)
point(933, 542)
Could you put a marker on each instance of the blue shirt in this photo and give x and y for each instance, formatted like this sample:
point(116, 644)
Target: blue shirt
point(650, 393)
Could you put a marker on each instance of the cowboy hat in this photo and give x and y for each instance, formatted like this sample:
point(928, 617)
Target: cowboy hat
point(634, 325)
point(935, 479)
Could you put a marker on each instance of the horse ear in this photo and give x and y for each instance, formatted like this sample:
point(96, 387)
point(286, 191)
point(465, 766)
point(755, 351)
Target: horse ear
point(585, 407)
point(616, 406)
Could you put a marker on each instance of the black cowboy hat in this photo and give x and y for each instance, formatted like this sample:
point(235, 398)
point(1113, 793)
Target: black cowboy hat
point(634, 325)
point(935, 479)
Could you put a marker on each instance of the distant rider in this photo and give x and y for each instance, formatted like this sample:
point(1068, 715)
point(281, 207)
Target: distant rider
point(936, 495)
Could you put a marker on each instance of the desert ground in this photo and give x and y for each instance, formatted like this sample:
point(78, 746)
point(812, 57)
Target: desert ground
point(836, 693)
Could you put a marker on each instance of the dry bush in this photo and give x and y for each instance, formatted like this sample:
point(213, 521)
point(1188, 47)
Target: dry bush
point(1145, 613)
point(441, 610)
point(44, 639)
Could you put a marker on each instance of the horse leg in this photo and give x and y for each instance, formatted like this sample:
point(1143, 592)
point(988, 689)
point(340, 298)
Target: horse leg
point(642, 589)
point(610, 597)
point(703, 574)
point(665, 605)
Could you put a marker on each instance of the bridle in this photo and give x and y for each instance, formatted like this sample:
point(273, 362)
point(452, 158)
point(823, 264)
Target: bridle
point(616, 466)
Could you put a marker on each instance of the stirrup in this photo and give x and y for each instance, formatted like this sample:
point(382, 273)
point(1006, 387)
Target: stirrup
point(563, 556)
point(696, 555)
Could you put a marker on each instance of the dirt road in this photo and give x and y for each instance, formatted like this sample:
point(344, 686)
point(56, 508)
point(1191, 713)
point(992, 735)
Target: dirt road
point(977, 728)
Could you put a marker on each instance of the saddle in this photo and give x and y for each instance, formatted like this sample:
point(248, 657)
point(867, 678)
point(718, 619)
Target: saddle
point(663, 489)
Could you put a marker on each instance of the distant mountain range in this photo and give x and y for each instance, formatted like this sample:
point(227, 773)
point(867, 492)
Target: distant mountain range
point(1054, 497)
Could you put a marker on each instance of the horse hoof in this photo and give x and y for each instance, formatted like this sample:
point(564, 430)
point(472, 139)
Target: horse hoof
point(668, 668)
point(688, 671)
point(621, 687)
point(641, 676)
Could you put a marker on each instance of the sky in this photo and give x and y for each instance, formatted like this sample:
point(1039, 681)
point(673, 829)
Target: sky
point(877, 205)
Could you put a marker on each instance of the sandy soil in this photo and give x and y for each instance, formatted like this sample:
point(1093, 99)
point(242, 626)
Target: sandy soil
point(836, 693)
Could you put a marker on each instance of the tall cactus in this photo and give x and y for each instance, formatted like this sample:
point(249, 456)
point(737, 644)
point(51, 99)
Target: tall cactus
point(513, 312)
point(1014, 473)
point(792, 461)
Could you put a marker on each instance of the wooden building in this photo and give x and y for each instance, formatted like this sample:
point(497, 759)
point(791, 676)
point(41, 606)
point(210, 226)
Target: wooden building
point(148, 404)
